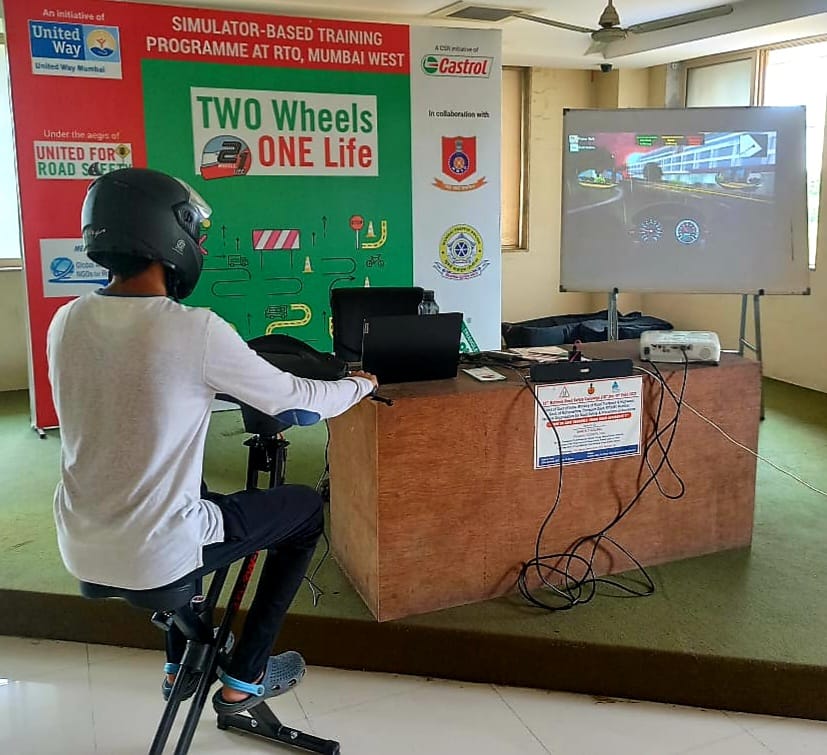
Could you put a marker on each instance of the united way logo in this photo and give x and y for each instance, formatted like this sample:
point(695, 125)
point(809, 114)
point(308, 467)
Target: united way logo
point(60, 48)
point(461, 253)
point(224, 157)
point(459, 163)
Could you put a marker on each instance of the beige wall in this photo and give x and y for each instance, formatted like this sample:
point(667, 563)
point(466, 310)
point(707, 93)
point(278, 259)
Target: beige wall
point(633, 87)
point(531, 279)
point(605, 87)
point(657, 87)
point(13, 370)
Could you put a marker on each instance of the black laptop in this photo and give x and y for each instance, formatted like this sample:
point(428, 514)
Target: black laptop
point(408, 348)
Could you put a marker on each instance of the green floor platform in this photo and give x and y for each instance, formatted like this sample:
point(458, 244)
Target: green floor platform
point(741, 630)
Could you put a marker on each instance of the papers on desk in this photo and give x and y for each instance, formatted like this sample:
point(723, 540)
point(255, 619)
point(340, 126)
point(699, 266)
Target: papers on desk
point(541, 353)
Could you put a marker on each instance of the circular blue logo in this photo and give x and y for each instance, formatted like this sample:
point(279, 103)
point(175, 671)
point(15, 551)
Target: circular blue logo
point(688, 232)
point(458, 163)
point(101, 43)
point(62, 267)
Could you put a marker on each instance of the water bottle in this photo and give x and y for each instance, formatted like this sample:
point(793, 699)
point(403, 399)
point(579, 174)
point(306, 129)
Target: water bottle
point(428, 305)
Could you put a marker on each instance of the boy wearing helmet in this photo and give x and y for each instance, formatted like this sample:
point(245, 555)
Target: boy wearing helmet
point(133, 376)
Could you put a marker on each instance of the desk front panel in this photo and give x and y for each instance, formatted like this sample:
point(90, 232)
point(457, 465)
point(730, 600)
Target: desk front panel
point(436, 502)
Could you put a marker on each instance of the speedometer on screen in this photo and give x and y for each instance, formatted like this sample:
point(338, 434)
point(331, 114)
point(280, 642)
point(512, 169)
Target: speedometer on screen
point(650, 230)
point(687, 232)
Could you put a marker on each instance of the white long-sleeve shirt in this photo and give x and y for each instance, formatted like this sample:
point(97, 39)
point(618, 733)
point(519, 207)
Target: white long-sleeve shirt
point(133, 380)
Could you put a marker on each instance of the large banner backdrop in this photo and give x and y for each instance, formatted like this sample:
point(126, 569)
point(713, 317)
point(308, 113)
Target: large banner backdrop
point(333, 154)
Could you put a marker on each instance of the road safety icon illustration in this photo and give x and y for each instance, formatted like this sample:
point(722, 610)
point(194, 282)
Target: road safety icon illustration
point(383, 236)
point(305, 315)
point(357, 223)
point(265, 240)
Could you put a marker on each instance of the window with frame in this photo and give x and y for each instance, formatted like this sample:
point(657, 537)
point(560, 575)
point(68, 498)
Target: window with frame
point(781, 75)
point(9, 202)
point(515, 97)
point(798, 76)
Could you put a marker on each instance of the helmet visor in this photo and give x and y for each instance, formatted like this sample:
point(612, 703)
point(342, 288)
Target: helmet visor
point(193, 215)
point(197, 202)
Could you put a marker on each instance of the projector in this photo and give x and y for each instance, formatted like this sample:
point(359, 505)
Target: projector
point(675, 346)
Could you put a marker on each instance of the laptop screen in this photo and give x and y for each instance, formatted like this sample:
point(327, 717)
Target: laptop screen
point(410, 348)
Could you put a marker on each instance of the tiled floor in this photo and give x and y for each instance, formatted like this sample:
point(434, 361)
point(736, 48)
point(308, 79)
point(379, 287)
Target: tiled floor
point(74, 699)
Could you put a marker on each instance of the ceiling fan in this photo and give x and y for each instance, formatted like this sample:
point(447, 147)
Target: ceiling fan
point(609, 29)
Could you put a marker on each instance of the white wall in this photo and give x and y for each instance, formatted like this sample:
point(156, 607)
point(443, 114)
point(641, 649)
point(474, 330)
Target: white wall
point(13, 351)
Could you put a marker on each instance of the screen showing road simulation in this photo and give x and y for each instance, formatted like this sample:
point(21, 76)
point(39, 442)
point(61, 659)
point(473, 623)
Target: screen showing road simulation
point(670, 192)
point(695, 200)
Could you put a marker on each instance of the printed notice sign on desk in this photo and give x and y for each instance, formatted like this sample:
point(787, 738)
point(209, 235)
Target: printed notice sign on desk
point(595, 420)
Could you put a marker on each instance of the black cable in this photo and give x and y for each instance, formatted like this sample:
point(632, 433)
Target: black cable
point(670, 427)
point(326, 471)
point(578, 590)
point(316, 591)
point(681, 485)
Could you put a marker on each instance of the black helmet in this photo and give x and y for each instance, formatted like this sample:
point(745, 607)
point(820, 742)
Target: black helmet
point(145, 214)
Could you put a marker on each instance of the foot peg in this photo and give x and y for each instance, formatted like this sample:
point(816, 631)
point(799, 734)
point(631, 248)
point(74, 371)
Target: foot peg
point(262, 722)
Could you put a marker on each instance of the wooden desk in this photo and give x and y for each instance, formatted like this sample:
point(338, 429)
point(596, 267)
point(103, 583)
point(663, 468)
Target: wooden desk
point(435, 501)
